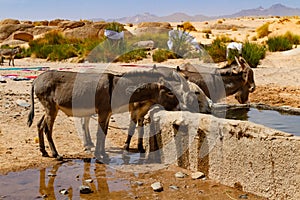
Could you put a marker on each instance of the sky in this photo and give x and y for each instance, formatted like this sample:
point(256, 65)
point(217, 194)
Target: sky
point(89, 9)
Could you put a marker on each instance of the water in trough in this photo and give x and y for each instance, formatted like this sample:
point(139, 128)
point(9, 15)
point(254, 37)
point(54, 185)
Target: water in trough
point(270, 118)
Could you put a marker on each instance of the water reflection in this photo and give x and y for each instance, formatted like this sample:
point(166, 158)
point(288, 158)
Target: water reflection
point(270, 118)
point(67, 176)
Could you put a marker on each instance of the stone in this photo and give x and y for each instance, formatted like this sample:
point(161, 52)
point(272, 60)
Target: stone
point(64, 191)
point(87, 31)
point(8, 29)
point(85, 189)
point(157, 187)
point(174, 187)
point(70, 24)
point(89, 180)
point(9, 21)
point(197, 175)
point(138, 183)
point(22, 103)
point(180, 175)
point(147, 44)
point(24, 36)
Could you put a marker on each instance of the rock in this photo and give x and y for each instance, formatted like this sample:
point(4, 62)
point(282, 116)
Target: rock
point(70, 24)
point(2, 80)
point(151, 30)
point(41, 23)
point(147, 44)
point(180, 175)
point(243, 196)
point(55, 22)
point(51, 174)
point(9, 21)
point(155, 24)
point(24, 36)
point(89, 180)
point(87, 31)
point(85, 189)
point(197, 175)
point(22, 103)
point(138, 183)
point(64, 191)
point(157, 187)
point(174, 187)
point(8, 29)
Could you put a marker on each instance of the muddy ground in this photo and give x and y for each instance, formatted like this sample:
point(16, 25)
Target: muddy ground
point(278, 84)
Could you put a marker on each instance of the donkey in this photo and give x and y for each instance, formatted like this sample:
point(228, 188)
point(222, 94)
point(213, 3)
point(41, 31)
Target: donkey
point(84, 94)
point(9, 54)
point(218, 83)
point(138, 110)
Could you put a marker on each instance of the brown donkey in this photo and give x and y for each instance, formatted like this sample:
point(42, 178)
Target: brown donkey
point(84, 94)
point(218, 83)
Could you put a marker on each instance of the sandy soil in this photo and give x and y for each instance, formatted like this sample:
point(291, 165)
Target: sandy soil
point(277, 80)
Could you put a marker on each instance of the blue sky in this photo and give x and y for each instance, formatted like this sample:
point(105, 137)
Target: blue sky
point(87, 9)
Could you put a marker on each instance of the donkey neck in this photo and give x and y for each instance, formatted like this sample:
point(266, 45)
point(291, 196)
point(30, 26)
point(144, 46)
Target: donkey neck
point(232, 83)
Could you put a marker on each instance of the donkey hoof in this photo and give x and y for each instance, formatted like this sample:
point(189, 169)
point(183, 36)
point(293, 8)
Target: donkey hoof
point(126, 147)
point(45, 154)
point(142, 150)
point(59, 158)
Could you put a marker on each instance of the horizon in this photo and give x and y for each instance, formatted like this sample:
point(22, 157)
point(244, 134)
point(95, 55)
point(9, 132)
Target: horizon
point(92, 9)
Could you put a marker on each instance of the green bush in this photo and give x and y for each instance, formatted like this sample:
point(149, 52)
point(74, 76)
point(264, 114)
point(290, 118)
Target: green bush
point(263, 30)
point(161, 55)
point(217, 50)
point(55, 47)
point(253, 53)
point(294, 39)
point(279, 43)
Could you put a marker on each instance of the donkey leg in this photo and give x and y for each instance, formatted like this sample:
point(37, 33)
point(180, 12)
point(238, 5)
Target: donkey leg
point(50, 118)
point(141, 134)
point(103, 120)
point(87, 141)
point(41, 127)
point(131, 130)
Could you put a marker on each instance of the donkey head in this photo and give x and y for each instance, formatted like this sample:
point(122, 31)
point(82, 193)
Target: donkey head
point(248, 78)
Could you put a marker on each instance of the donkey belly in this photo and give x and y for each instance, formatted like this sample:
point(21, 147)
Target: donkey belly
point(78, 112)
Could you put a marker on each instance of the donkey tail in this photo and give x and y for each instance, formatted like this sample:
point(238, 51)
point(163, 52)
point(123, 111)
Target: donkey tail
point(31, 113)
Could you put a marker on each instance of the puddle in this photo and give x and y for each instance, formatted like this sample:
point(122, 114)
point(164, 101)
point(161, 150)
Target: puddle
point(270, 118)
point(69, 176)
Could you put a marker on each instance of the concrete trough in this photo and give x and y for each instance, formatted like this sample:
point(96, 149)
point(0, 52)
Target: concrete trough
point(235, 153)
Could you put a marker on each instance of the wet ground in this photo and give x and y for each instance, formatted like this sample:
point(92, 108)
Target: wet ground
point(111, 181)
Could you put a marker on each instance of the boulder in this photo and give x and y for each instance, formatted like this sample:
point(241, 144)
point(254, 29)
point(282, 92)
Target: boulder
point(55, 22)
point(41, 30)
point(146, 44)
point(9, 21)
point(24, 36)
point(41, 23)
point(70, 24)
point(153, 28)
point(87, 31)
point(7, 29)
point(155, 24)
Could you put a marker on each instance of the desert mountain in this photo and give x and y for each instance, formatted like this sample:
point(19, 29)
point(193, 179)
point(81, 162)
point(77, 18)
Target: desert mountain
point(274, 10)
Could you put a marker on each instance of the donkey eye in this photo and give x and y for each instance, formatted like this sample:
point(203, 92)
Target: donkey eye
point(197, 92)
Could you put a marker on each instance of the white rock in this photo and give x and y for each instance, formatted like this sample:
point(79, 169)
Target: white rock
point(197, 175)
point(157, 187)
point(180, 175)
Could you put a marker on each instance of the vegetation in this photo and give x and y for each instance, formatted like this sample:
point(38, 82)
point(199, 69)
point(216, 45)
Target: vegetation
point(263, 30)
point(161, 55)
point(187, 26)
point(253, 53)
point(217, 50)
point(279, 43)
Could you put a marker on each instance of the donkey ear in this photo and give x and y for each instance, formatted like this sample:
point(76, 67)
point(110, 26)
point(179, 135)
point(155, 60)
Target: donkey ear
point(154, 66)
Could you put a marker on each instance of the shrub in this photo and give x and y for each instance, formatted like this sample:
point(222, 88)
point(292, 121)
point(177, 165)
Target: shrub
point(161, 55)
point(294, 39)
point(279, 43)
point(253, 53)
point(187, 26)
point(217, 50)
point(263, 30)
